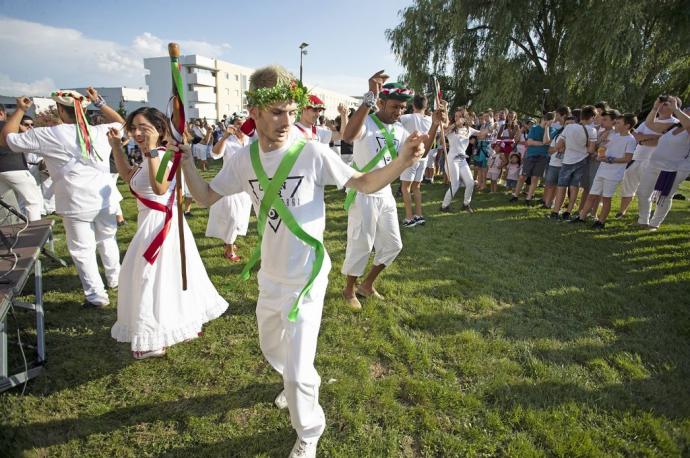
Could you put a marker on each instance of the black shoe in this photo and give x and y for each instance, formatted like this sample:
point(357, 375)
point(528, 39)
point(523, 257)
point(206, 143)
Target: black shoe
point(445, 209)
point(565, 216)
point(122, 223)
point(409, 222)
point(554, 215)
point(420, 220)
point(598, 225)
point(187, 214)
point(679, 196)
point(619, 215)
point(528, 202)
point(576, 219)
point(467, 209)
point(513, 198)
point(91, 305)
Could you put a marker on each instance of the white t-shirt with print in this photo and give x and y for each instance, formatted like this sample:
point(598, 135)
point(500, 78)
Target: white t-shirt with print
point(370, 141)
point(577, 142)
point(285, 258)
point(81, 185)
point(556, 159)
point(643, 152)
point(458, 141)
point(617, 146)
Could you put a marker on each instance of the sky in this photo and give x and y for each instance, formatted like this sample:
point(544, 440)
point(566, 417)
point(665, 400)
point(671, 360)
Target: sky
point(48, 45)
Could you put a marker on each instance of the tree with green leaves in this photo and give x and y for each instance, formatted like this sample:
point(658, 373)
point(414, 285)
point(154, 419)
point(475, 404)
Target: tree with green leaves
point(504, 53)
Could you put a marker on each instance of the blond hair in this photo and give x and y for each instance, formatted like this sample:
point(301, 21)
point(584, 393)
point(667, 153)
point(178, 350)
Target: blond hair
point(269, 77)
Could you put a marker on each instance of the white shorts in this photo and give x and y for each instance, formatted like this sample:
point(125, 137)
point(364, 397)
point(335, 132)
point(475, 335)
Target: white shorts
point(604, 187)
point(414, 172)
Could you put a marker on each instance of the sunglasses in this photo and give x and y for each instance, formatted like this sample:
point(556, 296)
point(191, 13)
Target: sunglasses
point(27, 124)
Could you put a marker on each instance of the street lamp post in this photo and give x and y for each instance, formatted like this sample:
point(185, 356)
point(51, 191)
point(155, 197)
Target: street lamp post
point(302, 52)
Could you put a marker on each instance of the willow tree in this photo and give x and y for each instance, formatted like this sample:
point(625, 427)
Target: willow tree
point(508, 52)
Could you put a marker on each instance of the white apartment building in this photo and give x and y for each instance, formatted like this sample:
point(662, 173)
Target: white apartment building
point(214, 87)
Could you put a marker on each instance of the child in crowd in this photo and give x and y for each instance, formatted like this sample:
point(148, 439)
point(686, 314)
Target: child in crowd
point(613, 158)
point(513, 171)
point(496, 163)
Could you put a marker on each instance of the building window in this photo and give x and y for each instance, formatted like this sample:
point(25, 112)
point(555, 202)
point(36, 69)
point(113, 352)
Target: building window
point(227, 91)
point(237, 92)
point(227, 75)
point(190, 87)
point(237, 77)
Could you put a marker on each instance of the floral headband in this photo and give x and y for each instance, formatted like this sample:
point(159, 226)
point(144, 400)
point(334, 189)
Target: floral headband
point(265, 96)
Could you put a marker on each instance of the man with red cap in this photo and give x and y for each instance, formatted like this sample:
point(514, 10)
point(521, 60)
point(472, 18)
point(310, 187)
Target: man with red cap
point(307, 122)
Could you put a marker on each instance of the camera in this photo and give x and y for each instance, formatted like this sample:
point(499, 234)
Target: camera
point(663, 98)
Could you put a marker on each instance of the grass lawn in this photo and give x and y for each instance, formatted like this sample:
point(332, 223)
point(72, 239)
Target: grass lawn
point(502, 334)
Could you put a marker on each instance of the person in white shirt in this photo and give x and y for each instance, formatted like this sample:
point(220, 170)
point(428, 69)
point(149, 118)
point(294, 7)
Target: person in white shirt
point(562, 117)
point(458, 137)
point(668, 167)
point(646, 145)
point(411, 179)
point(229, 217)
point(307, 124)
point(372, 220)
point(613, 158)
point(578, 141)
point(294, 276)
point(78, 159)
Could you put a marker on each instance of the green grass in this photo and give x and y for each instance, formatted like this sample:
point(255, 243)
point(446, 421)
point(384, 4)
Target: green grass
point(502, 334)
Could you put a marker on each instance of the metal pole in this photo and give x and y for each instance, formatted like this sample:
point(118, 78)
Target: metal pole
point(301, 53)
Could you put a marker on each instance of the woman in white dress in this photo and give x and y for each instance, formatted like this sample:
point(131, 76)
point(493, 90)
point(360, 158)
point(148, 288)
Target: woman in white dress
point(153, 312)
point(229, 217)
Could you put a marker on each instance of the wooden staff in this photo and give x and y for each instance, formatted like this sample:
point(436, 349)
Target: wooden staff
point(177, 107)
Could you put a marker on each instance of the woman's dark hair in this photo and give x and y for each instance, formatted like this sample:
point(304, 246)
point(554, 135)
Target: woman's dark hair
point(517, 156)
point(155, 117)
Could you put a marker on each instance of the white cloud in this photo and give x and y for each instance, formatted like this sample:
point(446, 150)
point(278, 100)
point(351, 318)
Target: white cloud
point(65, 57)
point(39, 87)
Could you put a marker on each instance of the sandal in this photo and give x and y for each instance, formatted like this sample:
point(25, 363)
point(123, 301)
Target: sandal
point(149, 354)
point(232, 257)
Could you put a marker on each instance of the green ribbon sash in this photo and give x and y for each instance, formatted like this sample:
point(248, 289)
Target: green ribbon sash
point(390, 147)
point(271, 199)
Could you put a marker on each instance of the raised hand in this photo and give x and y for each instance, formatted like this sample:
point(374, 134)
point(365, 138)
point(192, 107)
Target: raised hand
point(413, 148)
point(151, 136)
point(342, 109)
point(114, 138)
point(230, 130)
point(24, 103)
point(185, 149)
point(377, 81)
point(92, 94)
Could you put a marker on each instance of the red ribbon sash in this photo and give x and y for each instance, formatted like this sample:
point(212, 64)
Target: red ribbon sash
point(154, 248)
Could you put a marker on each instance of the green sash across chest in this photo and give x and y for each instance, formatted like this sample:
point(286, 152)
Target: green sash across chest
point(271, 199)
point(390, 147)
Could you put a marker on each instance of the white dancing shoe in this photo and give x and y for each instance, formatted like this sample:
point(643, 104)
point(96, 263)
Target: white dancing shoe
point(281, 401)
point(303, 449)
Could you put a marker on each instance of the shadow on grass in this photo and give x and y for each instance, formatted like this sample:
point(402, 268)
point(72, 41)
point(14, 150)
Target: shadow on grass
point(268, 443)
point(57, 432)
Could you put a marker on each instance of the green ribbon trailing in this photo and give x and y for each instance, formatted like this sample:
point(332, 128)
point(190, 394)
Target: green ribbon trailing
point(390, 146)
point(177, 131)
point(271, 199)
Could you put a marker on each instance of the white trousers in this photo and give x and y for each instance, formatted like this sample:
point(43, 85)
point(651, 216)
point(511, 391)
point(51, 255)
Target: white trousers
point(87, 233)
point(632, 177)
point(459, 173)
point(27, 191)
point(290, 347)
point(372, 222)
point(118, 209)
point(644, 195)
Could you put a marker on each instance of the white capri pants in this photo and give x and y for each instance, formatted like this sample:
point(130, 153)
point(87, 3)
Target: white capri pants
point(632, 177)
point(372, 222)
point(644, 195)
point(290, 347)
point(27, 191)
point(459, 173)
point(86, 233)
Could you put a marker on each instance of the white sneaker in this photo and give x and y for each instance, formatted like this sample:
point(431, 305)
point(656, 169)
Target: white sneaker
point(281, 401)
point(304, 449)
